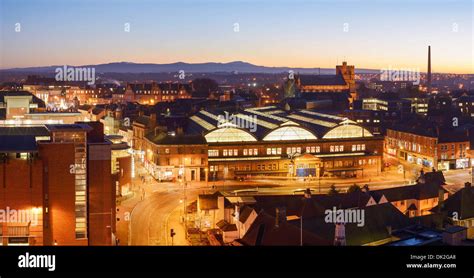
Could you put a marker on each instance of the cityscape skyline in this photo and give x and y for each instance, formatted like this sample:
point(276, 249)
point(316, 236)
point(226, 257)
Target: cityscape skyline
point(322, 124)
point(312, 34)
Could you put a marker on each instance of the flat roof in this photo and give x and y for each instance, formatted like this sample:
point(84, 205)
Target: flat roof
point(68, 127)
point(18, 143)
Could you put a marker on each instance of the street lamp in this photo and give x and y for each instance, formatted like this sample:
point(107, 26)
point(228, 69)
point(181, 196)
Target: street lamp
point(306, 197)
point(184, 197)
point(206, 176)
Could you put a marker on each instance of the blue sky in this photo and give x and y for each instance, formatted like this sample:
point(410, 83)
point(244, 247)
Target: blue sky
point(380, 34)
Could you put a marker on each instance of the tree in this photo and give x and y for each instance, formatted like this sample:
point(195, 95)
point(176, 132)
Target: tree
point(353, 188)
point(333, 190)
point(204, 86)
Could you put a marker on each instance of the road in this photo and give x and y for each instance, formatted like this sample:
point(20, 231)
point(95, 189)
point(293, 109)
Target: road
point(149, 217)
point(162, 206)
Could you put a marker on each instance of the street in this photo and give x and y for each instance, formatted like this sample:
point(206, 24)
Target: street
point(156, 208)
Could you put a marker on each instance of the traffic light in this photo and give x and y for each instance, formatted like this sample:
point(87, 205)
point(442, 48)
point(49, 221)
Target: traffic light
point(172, 233)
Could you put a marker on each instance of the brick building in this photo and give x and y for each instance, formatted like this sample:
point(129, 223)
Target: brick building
point(429, 147)
point(302, 143)
point(62, 175)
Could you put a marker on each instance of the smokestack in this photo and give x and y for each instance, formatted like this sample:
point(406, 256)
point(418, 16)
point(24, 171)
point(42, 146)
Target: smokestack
point(429, 70)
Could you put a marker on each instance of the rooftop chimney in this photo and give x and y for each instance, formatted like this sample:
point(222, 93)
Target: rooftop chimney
point(421, 178)
point(280, 216)
point(307, 193)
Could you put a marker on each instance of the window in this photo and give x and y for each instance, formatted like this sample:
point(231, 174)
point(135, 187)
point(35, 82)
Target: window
point(213, 153)
point(293, 150)
point(358, 147)
point(273, 151)
point(224, 153)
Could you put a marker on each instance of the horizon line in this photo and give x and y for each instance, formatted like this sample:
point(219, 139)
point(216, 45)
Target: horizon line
point(233, 61)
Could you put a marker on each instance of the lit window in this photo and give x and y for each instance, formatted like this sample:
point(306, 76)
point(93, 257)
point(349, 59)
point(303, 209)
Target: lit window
point(213, 152)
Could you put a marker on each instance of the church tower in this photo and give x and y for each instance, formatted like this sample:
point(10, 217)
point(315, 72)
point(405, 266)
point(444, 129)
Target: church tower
point(348, 73)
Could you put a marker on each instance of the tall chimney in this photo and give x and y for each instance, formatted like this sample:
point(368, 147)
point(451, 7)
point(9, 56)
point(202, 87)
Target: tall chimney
point(429, 70)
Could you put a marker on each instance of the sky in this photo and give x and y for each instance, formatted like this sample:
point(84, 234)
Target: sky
point(296, 33)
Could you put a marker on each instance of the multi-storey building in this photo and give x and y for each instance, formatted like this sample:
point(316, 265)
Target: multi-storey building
point(269, 141)
point(428, 147)
point(152, 93)
point(465, 103)
point(59, 176)
point(419, 105)
point(176, 157)
point(399, 106)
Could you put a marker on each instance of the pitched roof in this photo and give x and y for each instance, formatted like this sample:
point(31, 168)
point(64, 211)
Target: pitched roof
point(264, 232)
point(97, 111)
point(164, 139)
point(430, 189)
point(144, 120)
point(226, 226)
point(322, 80)
point(461, 203)
point(208, 201)
point(379, 220)
point(244, 214)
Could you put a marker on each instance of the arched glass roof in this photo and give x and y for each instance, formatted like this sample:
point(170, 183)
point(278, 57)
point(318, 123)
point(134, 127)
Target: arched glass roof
point(285, 133)
point(229, 134)
point(347, 131)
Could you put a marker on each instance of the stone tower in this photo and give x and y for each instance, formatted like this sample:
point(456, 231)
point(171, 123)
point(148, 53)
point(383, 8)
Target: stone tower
point(348, 73)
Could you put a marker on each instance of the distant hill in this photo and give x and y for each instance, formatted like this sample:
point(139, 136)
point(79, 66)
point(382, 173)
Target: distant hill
point(237, 67)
